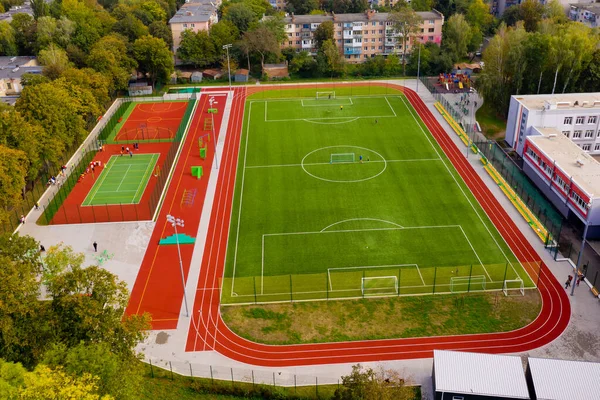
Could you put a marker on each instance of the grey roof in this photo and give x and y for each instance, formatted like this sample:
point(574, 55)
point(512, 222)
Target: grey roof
point(481, 374)
point(193, 12)
point(557, 379)
point(8, 61)
point(10, 100)
point(353, 17)
point(15, 73)
point(593, 7)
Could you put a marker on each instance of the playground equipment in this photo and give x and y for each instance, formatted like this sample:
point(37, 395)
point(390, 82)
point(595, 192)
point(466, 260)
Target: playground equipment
point(197, 171)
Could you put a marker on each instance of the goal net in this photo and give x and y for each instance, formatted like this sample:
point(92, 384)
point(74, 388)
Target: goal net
point(325, 95)
point(379, 286)
point(342, 158)
point(460, 284)
point(513, 287)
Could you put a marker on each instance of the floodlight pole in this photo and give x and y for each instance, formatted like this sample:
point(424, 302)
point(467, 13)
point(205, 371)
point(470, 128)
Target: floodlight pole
point(179, 222)
point(211, 100)
point(227, 47)
point(419, 66)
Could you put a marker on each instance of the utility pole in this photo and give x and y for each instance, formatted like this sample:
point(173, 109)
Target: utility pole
point(227, 47)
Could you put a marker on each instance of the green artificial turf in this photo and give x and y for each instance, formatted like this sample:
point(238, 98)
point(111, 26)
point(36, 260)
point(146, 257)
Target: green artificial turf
point(304, 227)
point(122, 180)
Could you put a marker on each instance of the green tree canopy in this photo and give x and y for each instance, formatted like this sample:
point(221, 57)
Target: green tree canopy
point(154, 58)
point(323, 32)
point(8, 44)
point(196, 48)
point(241, 15)
point(457, 36)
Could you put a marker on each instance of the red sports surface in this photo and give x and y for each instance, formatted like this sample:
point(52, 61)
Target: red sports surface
point(152, 121)
point(72, 212)
point(208, 331)
point(158, 288)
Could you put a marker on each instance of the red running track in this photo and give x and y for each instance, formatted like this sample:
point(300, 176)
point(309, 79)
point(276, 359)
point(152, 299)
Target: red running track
point(209, 332)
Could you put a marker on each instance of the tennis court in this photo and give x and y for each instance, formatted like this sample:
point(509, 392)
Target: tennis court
point(123, 180)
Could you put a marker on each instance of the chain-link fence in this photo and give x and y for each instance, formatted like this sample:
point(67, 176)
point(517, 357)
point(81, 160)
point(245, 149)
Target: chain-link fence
point(57, 211)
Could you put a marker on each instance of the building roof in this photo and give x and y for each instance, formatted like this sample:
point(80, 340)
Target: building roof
point(242, 71)
point(564, 101)
point(565, 154)
point(16, 72)
point(353, 17)
point(592, 7)
point(194, 12)
point(482, 374)
point(18, 61)
point(557, 379)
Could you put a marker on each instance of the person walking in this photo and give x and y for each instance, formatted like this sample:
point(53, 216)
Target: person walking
point(568, 282)
point(95, 246)
point(42, 248)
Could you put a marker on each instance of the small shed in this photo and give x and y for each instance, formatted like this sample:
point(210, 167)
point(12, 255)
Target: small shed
point(196, 76)
point(173, 78)
point(139, 89)
point(470, 376)
point(550, 379)
point(185, 76)
point(276, 71)
point(241, 75)
point(213, 74)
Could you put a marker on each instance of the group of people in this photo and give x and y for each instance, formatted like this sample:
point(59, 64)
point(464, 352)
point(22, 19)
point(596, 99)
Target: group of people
point(90, 168)
point(126, 150)
point(570, 279)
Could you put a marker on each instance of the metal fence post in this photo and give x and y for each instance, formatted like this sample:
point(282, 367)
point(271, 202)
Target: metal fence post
point(171, 367)
point(212, 379)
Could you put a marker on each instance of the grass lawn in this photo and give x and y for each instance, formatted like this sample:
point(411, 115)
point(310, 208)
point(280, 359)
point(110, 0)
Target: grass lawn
point(349, 196)
point(415, 316)
point(493, 127)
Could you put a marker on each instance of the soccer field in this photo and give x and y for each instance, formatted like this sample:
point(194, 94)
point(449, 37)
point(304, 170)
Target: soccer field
point(123, 180)
point(350, 196)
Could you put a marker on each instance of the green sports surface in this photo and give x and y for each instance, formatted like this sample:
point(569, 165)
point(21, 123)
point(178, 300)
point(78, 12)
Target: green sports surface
point(123, 180)
point(351, 196)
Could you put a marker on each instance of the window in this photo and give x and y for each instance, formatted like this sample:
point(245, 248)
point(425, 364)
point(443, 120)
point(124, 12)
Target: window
point(372, 32)
point(586, 147)
point(380, 47)
point(577, 134)
point(306, 25)
point(297, 42)
point(339, 40)
point(374, 23)
point(589, 133)
point(290, 34)
point(185, 25)
point(566, 133)
point(290, 43)
point(381, 31)
point(430, 38)
point(580, 120)
point(289, 26)
point(431, 22)
point(372, 47)
point(193, 25)
point(366, 48)
point(597, 147)
point(592, 120)
point(422, 30)
point(430, 30)
point(297, 33)
point(578, 200)
point(458, 398)
point(366, 56)
point(380, 40)
point(373, 40)
point(568, 121)
point(297, 25)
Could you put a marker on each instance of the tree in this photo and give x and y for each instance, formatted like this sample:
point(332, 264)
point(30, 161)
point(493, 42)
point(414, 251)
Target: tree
point(303, 64)
point(554, 10)
point(21, 333)
point(196, 48)
point(131, 27)
point(24, 30)
point(47, 384)
point(50, 30)
point(276, 25)
point(262, 41)
point(511, 15)
point(240, 15)
point(117, 377)
point(8, 45)
point(40, 8)
point(335, 62)
point(109, 55)
point(222, 33)
point(160, 30)
point(478, 15)
point(323, 33)
point(55, 61)
point(13, 167)
point(301, 7)
point(531, 12)
point(18, 134)
point(422, 5)
point(367, 384)
point(457, 36)
point(407, 23)
point(154, 58)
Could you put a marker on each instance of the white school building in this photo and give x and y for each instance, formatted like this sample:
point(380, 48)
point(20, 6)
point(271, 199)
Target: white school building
point(558, 138)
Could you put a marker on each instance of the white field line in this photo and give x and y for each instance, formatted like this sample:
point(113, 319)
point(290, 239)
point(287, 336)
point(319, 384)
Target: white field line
point(150, 165)
point(262, 266)
point(106, 172)
point(458, 184)
point(237, 235)
point(345, 121)
point(391, 108)
point(475, 252)
point(419, 271)
point(327, 104)
point(363, 230)
point(362, 219)
point(328, 163)
point(123, 178)
point(328, 118)
point(362, 96)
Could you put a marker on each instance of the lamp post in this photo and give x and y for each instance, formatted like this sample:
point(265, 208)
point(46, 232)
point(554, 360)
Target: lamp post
point(227, 47)
point(175, 222)
point(211, 101)
point(419, 66)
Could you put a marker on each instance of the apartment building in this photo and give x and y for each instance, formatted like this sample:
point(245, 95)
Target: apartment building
point(588, 14)
point(11, 71)
point(558, 137)
point(197, 15)
point(278, 4)
point(361, 36)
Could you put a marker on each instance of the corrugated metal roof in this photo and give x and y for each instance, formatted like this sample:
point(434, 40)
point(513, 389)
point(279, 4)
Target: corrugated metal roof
point(482, 374)
point(565, 380)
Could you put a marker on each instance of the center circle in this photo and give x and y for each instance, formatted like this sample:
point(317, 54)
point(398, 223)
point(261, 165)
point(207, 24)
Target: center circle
point(323, 164)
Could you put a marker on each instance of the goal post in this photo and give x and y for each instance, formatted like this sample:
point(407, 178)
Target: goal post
point(325, 95)
point(460, 284)
point(342, 158)
point(513, 287)
point(379, 285)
